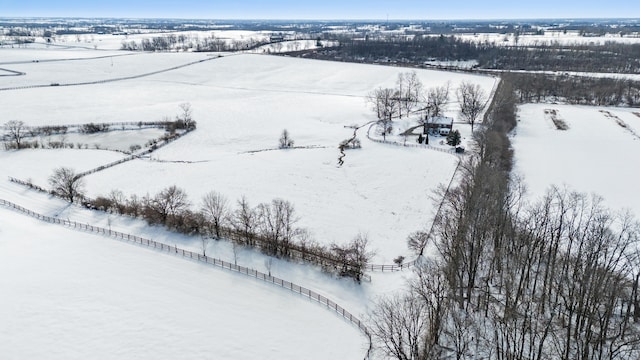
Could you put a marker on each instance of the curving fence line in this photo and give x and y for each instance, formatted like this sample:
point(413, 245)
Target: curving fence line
point(330, 304)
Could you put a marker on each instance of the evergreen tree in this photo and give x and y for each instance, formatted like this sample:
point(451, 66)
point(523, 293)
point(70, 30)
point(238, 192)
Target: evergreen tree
point(454, 138)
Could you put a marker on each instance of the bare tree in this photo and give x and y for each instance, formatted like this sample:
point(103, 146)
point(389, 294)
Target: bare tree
point(384, 102)
point(215, 208)
point(15, 131)
point(276, 226)
point(437, 97)
point(118, 201)
point(431, 287)
point(409, 91)
point(472, 101)
point(169, 202)
point(417, 241)
point(185, 116)
point(354, 256)
point(397, 326)
point(285, 140)
point(66, 183)
point(243, 222)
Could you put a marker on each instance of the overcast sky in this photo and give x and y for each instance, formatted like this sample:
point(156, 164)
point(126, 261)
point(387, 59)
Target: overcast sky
point(325, 9)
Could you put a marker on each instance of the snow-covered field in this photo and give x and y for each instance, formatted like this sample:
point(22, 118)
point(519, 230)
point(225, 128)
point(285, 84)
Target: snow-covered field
point(549, 37)
point(597, 154)
point(70, 295)
point(241, 103)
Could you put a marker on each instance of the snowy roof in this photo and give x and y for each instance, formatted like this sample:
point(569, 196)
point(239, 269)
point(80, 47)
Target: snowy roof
point(440, 120)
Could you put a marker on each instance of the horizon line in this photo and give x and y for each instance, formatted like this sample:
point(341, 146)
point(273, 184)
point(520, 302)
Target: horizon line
point(320, 20)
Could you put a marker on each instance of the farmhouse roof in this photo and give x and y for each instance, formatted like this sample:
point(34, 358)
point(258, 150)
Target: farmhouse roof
point(444, 120)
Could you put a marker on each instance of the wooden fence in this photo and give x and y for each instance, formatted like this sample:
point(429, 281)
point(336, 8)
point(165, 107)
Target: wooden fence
point(422, 146)
point(294, 251)
point(330, 304)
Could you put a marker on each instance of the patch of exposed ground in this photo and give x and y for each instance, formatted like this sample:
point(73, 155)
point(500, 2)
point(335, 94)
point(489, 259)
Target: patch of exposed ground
point(553, 115)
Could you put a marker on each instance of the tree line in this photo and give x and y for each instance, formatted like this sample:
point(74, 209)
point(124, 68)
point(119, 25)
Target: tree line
point(609, 57)
point(270, 227)
point(553, 279)
point(186, 42)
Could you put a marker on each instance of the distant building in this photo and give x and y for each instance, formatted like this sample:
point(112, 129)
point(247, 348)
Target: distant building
point(440, 125)
point(276, 38)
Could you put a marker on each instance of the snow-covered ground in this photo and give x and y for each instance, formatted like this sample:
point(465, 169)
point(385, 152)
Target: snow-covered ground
point(597, 154)
point(114, 41)
point(549, 37)
point(72, 295)
point(241, 104)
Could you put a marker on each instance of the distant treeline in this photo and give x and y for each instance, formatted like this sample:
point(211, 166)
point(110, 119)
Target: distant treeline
point(610, 57)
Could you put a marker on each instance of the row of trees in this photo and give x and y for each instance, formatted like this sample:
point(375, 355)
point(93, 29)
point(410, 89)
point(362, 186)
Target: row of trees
point(270, 227)
point(185, 42)
point(556, 279)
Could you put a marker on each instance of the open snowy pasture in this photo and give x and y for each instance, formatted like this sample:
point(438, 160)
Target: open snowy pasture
point(334, 203)
point(114, 41)
point(37, 165)
point(83, 66)
point(598, 153)
point(73, 295)
point(241, 104)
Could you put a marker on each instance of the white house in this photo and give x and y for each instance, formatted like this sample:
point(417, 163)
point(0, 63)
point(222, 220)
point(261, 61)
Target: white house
point(441, 125)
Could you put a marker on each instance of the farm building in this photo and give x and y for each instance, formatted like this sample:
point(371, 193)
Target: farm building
point(441, 125)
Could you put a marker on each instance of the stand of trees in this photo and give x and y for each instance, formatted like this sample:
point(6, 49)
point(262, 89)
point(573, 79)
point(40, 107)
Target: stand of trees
point(557, 279)
point(389, 103)
point(575, 89)
point(610, 57)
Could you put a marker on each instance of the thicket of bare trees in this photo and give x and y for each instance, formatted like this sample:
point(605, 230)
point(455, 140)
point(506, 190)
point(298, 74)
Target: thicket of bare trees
point(556, 279)
point(575, 89)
